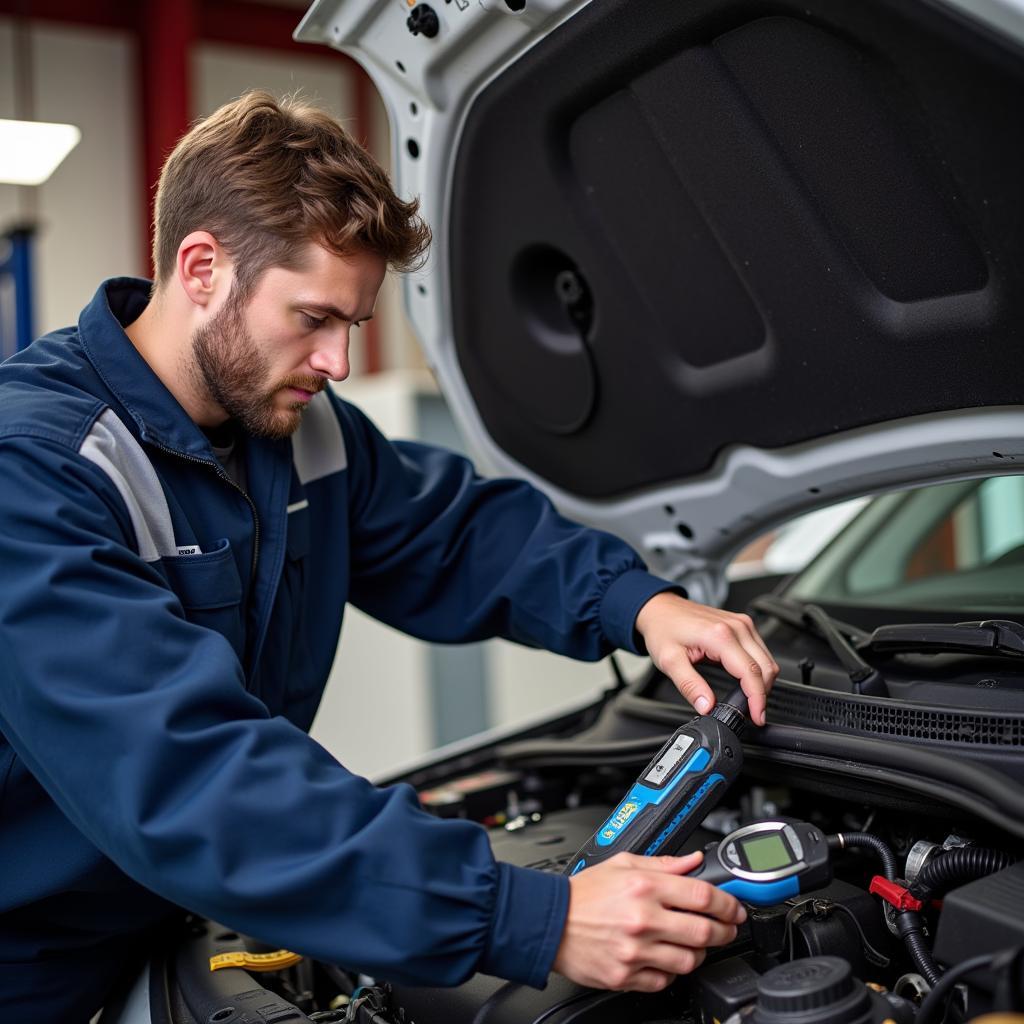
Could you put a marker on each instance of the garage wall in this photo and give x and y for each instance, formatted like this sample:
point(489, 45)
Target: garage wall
point(221, 73)
point(89, 211)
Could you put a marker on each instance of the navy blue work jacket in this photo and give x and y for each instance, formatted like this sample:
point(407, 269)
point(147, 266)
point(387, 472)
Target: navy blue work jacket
point(165, 639)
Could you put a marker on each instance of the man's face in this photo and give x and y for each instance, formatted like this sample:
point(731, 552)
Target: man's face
point(263, 358)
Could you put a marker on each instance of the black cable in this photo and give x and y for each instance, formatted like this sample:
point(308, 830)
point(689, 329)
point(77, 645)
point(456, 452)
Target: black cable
point(820, 907)
point(867, 841)
point(875, 956)
point(910, 925)
point(797, 912)
point(620, 678)
point(949, 869)
point(933, 1007)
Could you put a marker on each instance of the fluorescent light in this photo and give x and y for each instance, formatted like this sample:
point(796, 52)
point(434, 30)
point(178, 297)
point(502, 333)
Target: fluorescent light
point(30, 151)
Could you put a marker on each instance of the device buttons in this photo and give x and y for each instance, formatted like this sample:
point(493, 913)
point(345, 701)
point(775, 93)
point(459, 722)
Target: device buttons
point(794, 842)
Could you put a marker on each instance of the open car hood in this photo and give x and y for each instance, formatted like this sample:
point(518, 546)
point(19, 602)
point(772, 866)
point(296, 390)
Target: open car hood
point(699, 267)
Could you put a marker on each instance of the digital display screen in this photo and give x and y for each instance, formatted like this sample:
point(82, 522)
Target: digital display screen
point(662, 769)
point(766, 853)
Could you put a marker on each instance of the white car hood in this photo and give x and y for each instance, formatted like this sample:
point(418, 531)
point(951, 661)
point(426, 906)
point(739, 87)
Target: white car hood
point(794, 233)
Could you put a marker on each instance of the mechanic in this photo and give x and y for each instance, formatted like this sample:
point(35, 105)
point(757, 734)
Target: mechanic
point(185, 510)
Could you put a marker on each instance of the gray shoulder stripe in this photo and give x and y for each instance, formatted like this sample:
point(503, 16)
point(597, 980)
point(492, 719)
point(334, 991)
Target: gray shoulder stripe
point(111, 446)
point(318, 446)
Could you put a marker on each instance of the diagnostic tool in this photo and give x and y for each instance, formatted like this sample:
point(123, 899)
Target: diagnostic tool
point(768, 862)
point(686, 779)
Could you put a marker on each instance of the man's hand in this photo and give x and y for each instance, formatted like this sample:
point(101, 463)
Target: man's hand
point(679, 633)
point(624, 929)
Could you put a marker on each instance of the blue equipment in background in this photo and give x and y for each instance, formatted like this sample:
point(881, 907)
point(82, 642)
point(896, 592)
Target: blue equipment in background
point(17, 326)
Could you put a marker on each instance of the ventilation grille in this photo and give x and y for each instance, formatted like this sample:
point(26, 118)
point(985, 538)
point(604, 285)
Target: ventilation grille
point(871, 718)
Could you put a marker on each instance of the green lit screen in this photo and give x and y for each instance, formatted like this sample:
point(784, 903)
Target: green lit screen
point(767, 853)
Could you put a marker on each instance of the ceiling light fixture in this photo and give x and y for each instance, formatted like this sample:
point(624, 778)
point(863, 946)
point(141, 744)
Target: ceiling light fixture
point(30, 151)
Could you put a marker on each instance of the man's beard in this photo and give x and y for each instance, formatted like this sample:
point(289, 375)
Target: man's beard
point(228, 365)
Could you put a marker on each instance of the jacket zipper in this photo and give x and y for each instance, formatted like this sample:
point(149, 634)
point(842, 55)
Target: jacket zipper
point(223, 476)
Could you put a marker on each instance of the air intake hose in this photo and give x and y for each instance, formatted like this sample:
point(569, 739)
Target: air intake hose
point(953, 867)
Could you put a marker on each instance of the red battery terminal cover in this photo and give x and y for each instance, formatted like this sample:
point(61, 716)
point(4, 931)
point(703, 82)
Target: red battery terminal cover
point(894, 894)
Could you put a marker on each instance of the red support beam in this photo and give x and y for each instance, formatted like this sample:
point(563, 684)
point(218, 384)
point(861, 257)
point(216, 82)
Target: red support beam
point(95, 14)
point(167, 30)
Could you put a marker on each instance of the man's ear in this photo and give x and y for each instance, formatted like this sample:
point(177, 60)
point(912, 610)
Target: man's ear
point(203, 268)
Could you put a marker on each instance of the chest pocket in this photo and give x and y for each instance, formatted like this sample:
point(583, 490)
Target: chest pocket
point(210, 591)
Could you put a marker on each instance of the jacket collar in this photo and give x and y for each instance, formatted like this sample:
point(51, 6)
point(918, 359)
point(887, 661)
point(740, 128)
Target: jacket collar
point(161, 419)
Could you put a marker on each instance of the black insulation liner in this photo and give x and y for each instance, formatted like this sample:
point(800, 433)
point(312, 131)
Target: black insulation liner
point(779, 220)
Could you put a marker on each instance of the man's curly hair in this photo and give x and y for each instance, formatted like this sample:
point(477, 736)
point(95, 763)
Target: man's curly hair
point(265, 177)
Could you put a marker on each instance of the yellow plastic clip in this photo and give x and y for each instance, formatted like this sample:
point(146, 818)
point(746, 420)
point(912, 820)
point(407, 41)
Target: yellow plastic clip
point(255, 961)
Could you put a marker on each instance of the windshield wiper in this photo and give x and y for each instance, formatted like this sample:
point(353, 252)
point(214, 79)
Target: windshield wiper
point(793, 613)
point(999, 637)
point(864, 678)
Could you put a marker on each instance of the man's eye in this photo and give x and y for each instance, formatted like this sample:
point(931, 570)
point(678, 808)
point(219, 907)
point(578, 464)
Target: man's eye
point(313, 322)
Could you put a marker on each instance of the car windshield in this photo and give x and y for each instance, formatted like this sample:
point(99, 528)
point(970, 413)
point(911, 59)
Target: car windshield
point(948, 547)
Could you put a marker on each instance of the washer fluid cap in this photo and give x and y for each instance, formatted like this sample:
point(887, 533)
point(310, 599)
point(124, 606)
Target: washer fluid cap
point(816, 990)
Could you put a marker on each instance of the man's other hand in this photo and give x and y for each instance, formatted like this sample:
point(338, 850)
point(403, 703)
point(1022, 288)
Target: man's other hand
point(679, 633)
point(636, 922)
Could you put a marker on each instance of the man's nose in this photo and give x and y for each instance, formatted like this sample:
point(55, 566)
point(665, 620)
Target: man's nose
point(331, 356)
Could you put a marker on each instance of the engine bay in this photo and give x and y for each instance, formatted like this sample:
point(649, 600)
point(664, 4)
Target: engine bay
point(923, 920)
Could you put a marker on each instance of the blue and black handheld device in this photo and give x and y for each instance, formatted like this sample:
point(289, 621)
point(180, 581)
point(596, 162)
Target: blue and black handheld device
point(768, 862)
point(674, 793)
